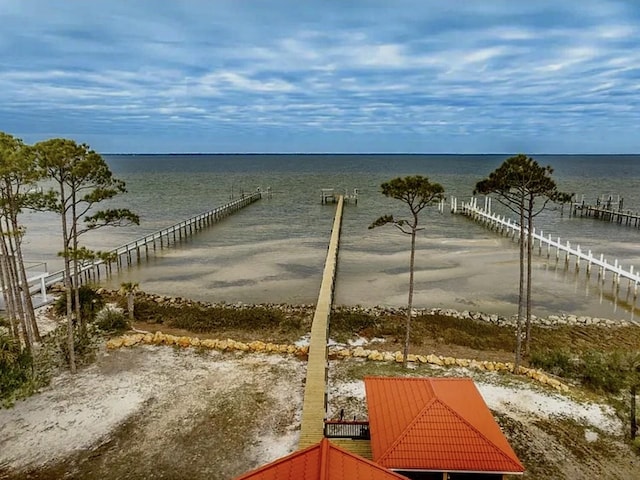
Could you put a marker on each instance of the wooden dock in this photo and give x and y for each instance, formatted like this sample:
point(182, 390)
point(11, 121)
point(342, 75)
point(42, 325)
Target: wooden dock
point(125, 255)
point(565, 251)
point(328, 195)
point(604, 210)
point(314, 407)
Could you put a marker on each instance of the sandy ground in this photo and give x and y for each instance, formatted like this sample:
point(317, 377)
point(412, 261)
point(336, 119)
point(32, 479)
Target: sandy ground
point(169, 413)
point(160, 412)
point(145, 400)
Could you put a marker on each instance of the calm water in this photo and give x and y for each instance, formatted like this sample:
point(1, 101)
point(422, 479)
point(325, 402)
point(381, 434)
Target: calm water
point(273, 251)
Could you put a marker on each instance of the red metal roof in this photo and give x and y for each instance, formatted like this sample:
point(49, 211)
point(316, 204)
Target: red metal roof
point(438, 424)
point(322, 461)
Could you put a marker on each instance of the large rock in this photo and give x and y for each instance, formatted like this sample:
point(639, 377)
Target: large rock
point(435, 360)
point(114, 343)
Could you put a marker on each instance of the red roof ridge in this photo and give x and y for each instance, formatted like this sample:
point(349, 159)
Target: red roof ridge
point(327, 470)
point(269, 466)
point(408, 427)
point(424, 420)
point(518, 466)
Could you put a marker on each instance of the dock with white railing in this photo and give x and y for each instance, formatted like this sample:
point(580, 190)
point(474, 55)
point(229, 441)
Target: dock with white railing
point(134, 251)
point(551, 246)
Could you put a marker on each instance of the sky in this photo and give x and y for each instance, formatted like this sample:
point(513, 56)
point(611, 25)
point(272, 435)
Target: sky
point(348, 76)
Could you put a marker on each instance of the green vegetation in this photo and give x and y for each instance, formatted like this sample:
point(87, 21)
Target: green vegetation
point(112, 321)
point(606, 372)
point(90, 303)
point(218, 319)
point(443, 329)
point(525, 188)
point(15, 367)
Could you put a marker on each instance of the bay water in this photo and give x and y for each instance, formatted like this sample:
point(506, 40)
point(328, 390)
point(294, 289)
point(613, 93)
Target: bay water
point(273, 251)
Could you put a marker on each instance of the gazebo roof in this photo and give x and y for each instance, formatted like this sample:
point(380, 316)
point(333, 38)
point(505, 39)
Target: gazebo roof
point(435, 424)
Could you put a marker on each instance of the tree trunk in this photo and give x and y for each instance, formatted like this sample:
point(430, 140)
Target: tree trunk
point(8, 293)
point(410, 301)
point(68, 286)
point(8, 304)
point(76, 270)
point(30, 315)
point(634, 421)
point(14, 282)
point(527, 342)
point(520, 295)
point(130, 304)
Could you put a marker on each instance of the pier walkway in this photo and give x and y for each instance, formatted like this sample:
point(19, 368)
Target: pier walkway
point(314, 407)
point(91, 271)
point(570, 253)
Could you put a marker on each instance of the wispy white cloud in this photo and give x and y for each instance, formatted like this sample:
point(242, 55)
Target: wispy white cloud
point(412, 72)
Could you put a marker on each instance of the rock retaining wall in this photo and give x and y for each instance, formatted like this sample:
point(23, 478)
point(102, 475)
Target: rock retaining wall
point(550, 321)
point(160, 338)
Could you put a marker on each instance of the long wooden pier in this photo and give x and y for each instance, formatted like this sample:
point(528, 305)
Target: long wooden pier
point(314, 407)
point(125, 255)
point(570, 253)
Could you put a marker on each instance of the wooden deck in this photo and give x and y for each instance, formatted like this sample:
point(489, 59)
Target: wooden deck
point(315, 393)
point(359, 447)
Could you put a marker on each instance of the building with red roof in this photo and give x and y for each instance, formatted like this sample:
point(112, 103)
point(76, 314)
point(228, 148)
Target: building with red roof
point(435, 428)
point(418, 429)
point(322, 461)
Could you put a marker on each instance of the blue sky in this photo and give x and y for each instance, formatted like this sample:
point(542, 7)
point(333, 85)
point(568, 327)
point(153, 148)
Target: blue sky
point(415, 76)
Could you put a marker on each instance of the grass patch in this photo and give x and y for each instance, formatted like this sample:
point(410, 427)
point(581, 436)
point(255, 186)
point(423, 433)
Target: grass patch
point(442, 329)
point(203, 319)
point(606, 372)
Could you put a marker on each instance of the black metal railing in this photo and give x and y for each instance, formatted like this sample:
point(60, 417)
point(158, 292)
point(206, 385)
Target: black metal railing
point(356, 430)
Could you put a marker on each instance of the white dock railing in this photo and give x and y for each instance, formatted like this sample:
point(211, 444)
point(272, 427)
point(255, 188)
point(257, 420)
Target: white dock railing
point(508, 227)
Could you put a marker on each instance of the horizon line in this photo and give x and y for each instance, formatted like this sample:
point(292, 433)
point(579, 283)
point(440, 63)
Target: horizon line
point(367, 153)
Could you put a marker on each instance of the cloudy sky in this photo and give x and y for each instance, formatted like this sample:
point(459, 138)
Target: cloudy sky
point(417, 76)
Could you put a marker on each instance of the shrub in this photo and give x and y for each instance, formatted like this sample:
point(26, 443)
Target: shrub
point(15, 366)
point(90, 303)
point(557, 362)
point(598, 371)
point(603, 372)
point(84, 343)
point(111, 320)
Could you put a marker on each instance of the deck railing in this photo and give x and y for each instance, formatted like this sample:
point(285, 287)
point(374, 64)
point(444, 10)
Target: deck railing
point(512, 229)
point(355, 430)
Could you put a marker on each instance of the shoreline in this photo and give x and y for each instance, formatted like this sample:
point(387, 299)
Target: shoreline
point(495, 319)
